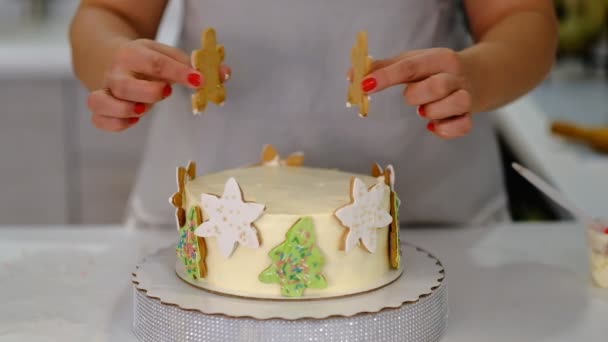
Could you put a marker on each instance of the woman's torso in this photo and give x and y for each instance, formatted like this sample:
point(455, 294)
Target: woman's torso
point(289, 61)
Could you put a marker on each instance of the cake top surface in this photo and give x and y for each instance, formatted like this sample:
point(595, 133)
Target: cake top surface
point(286, 190)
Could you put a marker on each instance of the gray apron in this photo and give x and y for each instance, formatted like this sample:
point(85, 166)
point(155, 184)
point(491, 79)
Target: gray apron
point(289, 61)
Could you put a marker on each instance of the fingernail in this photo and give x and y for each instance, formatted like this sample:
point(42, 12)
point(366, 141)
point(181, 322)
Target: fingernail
point(422, 111)
point(133, 120)
point(167, 90)
point(194, 79)
point(606, 230)
point(139, 108)
point(369, 84)
point(431, 126)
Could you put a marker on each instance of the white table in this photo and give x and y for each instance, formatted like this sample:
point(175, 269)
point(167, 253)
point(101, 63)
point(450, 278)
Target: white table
point(507, 283)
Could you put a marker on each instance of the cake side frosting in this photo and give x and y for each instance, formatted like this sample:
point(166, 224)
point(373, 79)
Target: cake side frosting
point(288, 195)
point(598, 254)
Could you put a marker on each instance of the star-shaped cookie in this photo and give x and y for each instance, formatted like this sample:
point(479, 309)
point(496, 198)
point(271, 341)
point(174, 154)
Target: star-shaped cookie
point(230, 219)
point(364, 215)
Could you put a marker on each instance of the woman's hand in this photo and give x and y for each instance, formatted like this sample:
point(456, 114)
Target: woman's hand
point(141, 74)
point(435, 81)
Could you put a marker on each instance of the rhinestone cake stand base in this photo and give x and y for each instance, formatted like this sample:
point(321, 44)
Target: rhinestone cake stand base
point(168, 309)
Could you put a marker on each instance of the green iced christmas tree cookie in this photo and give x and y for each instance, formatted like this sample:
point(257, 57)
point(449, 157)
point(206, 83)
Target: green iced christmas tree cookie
point(188, 248)
point(297, 262)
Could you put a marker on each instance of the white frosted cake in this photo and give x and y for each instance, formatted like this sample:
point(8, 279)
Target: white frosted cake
point(275, 231)
point(598, 244)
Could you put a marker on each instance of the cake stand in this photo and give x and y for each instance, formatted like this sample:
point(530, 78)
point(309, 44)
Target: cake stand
point(412, 308)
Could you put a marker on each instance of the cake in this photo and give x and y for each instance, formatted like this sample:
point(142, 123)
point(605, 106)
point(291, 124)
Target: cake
point(598, 245)
point(279, 231)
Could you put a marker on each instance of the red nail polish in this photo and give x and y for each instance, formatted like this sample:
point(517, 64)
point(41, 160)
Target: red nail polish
point(422, 111)
point(140, 108)
point(369, 84)
point(606, 230)
point(194, 79)
point(167, 90)
point(431, 126)
point(133, 120)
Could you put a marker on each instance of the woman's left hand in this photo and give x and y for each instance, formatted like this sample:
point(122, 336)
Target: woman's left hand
point(435, 81)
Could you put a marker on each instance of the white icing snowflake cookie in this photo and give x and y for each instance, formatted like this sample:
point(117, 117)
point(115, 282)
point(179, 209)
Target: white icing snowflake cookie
point(230, 219)
point(364, 215)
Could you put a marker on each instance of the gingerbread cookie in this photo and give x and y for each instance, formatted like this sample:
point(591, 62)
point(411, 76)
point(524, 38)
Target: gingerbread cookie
point(361, 66)
point(208, 61)
point(394, 238)
point(387, 174)
point(271, 157)
point(388, 177)
point(179, 197)
point(191, 249)
point(196, 249)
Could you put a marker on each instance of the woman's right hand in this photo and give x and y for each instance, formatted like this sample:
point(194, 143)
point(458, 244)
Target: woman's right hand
point(141, 74)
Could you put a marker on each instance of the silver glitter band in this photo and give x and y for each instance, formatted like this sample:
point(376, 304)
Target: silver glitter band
point(424, 320)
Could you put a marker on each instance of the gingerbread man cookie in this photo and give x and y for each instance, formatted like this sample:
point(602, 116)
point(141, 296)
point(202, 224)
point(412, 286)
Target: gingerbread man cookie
point(208, 61)
point(361, 66)
point(194, 245)
point(271, 157)
point(179, 197)
point(388, 177)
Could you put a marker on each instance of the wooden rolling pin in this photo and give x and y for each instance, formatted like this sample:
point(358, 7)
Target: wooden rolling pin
point(597, 138)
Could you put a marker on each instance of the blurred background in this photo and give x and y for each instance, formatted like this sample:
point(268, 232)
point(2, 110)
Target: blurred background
point(56, 168)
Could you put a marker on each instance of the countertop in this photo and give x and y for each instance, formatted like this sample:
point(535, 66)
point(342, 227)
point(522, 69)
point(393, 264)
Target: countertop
point(514, 282)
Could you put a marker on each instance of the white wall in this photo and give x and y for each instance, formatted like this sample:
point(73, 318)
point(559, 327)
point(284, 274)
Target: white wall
point(55, 167)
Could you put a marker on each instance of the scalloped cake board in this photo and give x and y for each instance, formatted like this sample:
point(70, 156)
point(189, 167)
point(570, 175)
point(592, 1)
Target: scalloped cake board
point(156, 277)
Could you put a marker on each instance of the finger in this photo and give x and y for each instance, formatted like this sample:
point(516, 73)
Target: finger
point(381, 63)
point(432, 89)
point(175, 53)
point(412, 69)
point(101, 102)
point(455, 104)
point(182, 57)
point(112, 124)
point(154, 65)
point(226, 72)
point(126, 87)
point(453, 127)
